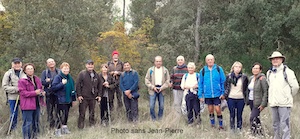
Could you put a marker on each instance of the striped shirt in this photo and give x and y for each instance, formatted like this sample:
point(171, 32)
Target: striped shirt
point(177, 75)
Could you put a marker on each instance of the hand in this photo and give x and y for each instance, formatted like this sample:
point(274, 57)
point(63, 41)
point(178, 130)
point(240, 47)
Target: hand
point(38, 92)
point(260, 108)
point(127, 92)
point(48, 79)
point(186, 87)
point(155, 89)
point(116, 72)
point(170, 85)
point(222, 97)
point(43, 93)
point(98, 99)
point(129, 96)
point(195, 86)
point(80, 98)
point(202, 99)
point(64, 81)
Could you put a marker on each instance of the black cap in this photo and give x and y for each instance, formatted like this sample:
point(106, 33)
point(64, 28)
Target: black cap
point(89, 61)
point(16, 59)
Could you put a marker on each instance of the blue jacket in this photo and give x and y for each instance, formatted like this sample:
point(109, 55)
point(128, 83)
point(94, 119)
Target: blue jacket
point(211, 85)
point(60, 90)
point(129, 81)
point(47, 74)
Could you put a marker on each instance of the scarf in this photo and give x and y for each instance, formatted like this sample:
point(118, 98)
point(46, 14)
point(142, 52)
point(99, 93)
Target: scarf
point(69, 86)
point(182, 66)
point(234, 79)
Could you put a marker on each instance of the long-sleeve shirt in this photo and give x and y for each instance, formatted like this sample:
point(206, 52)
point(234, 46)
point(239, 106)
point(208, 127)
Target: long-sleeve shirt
point(129, 80)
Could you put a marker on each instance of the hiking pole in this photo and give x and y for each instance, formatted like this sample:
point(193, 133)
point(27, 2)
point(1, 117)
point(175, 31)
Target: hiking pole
point(13, 115)
point(108, 111)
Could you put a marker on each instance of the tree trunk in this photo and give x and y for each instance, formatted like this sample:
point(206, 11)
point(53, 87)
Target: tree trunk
point(197, 34)
point(124, 12)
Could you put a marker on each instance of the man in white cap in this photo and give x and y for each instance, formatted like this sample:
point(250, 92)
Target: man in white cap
point(283, 85)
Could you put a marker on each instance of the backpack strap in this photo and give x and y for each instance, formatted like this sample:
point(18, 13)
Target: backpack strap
point(284, 73)
point(218, 69)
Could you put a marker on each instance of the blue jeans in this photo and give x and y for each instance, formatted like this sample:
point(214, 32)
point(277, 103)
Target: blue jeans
point(30, 123)
point(12, 104)
point(236, 107)
point(160, 99)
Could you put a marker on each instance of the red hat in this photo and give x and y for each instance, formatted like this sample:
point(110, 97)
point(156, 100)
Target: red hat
point(115, 53)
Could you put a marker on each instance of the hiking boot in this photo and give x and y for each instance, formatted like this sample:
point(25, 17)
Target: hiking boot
point(57, 132)
point(221, 128)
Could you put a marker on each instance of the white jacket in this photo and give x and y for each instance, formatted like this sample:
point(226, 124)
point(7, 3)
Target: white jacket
point(281, 92)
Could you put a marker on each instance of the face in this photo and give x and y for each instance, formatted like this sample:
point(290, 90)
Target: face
point(256, 70)
point(191, 69)
point(65, 70)
point(210, 61)
point(104, 69)
point(237, 68)
point(158, 62)
point(126, 67)
point(115, 57)
point(89, 66)
point(180, 62)
point(29, 70)
point(51, 63)
point(16, 65)
point(277, 61)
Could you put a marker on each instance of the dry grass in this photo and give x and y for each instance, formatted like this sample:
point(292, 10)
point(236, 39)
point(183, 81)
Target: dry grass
point(171, 120)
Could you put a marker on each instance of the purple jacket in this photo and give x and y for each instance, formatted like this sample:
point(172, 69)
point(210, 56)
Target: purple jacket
point(27, 93)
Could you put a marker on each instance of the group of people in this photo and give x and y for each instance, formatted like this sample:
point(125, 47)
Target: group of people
point(58, 91)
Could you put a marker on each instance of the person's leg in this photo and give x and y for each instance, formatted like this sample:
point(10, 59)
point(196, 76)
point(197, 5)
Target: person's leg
point(240, 109)
point(152, 106)
point(119, 97)
point(127, 107)
point(134, 110)
point(231, 108)
point(27, 123)
point(276, 122)
point(52, 103)
point(177, 94)
point(160, 105)
point(13, 113)
point(103, 108)
point(196, 107)
point(82, 108)
point(111, 97)
point(91, 105)
point(189, 108)
point(217, 107)
point(254, 118)
point(284, 114)
point(210, 106)
point(35, 121)
point(64, 127)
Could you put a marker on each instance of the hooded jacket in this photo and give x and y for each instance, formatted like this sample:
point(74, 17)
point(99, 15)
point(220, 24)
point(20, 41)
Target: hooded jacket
point(10, 83)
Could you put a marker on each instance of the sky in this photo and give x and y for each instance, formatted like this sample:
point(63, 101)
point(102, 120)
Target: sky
point(119, 4)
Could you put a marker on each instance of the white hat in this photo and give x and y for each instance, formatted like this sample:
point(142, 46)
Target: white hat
point(276, 54)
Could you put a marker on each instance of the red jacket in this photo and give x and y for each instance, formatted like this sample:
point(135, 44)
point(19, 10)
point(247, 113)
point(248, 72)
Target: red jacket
point(27, 93)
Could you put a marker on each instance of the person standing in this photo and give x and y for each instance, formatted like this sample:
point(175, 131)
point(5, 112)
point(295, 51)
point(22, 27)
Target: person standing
point(129, 81)
point(190, 85)
point(31, 99)
point(10, 86)
point(47, 79)
point(283, 85)
point(258, 96)
point(107, 85)
point(176, 77)
point(157, 80)
point(64, 89)
point(115, 68)
point(89, 90)
point(211, 88)
point(236, 87)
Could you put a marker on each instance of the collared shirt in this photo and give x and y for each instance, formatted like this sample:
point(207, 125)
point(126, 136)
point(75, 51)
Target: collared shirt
point(158, 75)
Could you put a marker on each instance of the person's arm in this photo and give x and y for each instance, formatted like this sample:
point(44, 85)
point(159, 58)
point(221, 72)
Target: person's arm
point(121, 84)
point(100, 87)
point(43, 79)
point(264, 87)
point(6, 83)
point(227, 86)
point(200, 85)
point(167, 81)
point(182, 84)
point(148, 80)
point(22, 86)
point(222, 80)
point(136, 82)
point(57, 83)
point(292, 81)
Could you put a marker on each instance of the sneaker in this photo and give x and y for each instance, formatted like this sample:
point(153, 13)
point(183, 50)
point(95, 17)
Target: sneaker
point(65, 130)
point(57, 132)
point(221, 128)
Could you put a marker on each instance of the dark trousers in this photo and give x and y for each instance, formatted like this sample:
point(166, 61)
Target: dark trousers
point(30, 127)
point(255, 112)
point(104, 109)
point(236, 107)
point(51, 102)
point(62, 114)
point(192, 106)
point(82, 109)
point(131, 106)
point(119, 97)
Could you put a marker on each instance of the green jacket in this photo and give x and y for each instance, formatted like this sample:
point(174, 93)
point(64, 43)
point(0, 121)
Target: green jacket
point(260, 91)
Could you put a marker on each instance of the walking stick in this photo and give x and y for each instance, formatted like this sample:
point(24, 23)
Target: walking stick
point(108, 111)
point(13, 115)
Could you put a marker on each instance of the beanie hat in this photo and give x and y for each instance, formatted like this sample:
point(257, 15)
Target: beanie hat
point(115, 53)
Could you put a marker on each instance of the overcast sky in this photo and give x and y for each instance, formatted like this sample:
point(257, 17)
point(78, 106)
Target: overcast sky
point(119, 3)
